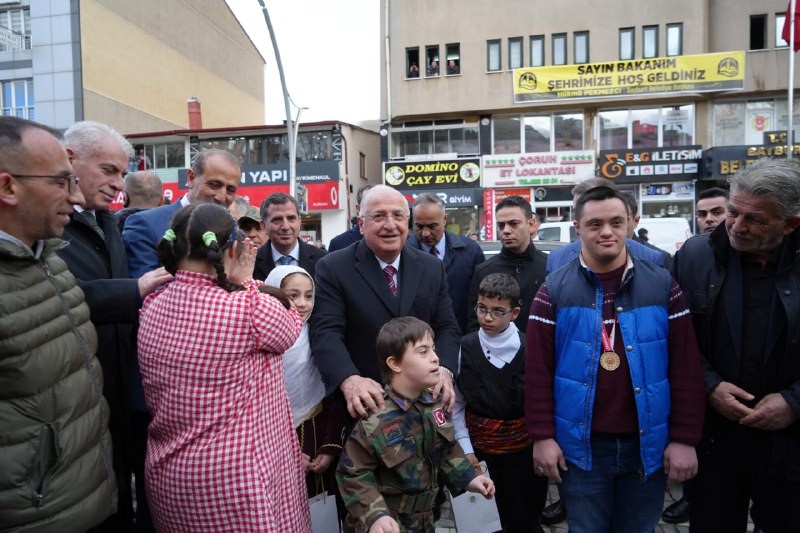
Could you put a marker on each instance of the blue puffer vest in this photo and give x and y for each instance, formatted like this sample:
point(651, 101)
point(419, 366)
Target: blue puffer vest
point(642, 310)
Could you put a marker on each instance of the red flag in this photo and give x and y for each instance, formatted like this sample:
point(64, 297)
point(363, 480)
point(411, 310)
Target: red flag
point(787, 21)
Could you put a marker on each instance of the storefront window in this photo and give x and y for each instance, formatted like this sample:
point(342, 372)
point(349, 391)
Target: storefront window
point(568, 131)
point(541, 133)
point(435, 137)
point(647, 128)
point(729, 124)
point(644, 128)
point(613, 129)
point(537, 134)
point(506, 135)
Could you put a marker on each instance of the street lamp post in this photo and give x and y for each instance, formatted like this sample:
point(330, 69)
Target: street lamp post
point(293, 151)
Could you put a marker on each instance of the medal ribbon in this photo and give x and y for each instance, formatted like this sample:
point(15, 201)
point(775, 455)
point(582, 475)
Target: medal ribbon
point(608, 342)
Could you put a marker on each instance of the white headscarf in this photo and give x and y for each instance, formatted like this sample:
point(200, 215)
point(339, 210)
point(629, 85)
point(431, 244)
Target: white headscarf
point(302, 377)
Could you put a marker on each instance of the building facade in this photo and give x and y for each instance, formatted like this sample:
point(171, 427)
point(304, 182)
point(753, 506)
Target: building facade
point(334, 159)
point(665, 98)
point(131, 65)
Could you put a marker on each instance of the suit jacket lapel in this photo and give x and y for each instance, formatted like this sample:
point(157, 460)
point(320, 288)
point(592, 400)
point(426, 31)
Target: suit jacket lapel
point(410, 273)
point(370, 270)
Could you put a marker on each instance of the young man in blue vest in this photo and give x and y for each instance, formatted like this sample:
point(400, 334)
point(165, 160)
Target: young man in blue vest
point(613, 385)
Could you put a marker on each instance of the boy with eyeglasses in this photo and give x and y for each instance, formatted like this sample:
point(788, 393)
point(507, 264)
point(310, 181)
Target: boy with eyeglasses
point(489, 417)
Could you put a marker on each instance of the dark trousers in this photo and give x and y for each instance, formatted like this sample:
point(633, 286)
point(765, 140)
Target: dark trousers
point(144, 522)
point(734, 469)
point(520, 495)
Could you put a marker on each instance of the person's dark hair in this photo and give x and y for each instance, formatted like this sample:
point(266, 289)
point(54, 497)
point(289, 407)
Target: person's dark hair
point(429, 198)
point(591, 183)
point(597, 194)
point(12, 153)
point(714, 192)
point(189, 225)
point(361, 191)
point(502, 286)
point(395, 336)
point(278, 198)
point(199, 161)
point(631, 205)
point(516, 201)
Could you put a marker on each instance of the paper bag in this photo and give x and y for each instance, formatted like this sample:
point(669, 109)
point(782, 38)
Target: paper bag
point(323, 513)
point(475, 514)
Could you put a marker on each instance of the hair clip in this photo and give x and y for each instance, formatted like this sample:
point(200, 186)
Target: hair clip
point(209, 237)
point(169, 235)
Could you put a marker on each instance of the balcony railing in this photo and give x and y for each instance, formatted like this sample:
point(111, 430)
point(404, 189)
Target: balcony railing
point(11, 40)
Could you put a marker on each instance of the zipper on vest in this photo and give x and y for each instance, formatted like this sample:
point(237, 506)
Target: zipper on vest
point(45, 462)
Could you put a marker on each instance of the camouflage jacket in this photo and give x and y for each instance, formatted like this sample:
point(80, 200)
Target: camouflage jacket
point(392, 462)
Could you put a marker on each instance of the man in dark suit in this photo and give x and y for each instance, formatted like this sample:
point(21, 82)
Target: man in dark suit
point(459, 254)
point(343, 240)
point(282, 219)
point(364, 286)
point(96, 256)
point(214, 177)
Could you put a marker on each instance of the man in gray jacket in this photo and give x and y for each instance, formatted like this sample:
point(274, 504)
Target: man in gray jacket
point(55, 449)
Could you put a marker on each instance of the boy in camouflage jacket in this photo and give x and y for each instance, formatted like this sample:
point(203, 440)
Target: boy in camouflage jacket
point(388, 473)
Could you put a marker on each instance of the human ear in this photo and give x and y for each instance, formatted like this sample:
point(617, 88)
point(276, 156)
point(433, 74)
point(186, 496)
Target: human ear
point(8, 189)
point(515, 313)
point(394, 364)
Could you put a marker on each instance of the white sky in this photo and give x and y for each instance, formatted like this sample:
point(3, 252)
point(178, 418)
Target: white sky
point(330, 50)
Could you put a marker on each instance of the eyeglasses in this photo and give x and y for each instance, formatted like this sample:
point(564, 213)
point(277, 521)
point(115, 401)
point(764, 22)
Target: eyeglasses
point(380, 218)
point(71, 179)
point(496, 313)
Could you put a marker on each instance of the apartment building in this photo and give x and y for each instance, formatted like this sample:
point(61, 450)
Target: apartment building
point(132, 65)
point(484, 99)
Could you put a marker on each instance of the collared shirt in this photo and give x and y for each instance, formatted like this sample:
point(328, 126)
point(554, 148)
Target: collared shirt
point(440, 247)
point(294, 254)
point(396, 265)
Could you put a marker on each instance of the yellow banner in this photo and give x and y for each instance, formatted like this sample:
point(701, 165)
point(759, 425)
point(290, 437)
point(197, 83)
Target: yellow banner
point(697, 73)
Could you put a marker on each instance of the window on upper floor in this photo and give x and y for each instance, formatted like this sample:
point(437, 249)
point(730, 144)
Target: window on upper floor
point(15, 29)
point(744, 122)
point(559, 49)
point(650, 41)
point(580, 47)
point(675, 39)
point(549, 132)
point(412, 62)
point(646, 127)
point(780, 19)
point(627, 48)
point(493, 55)
point(434, 137)
point(17, 98)
point(758, 32)
point(514, 53)
point(158, 156)
point(537, 50)
point(453, 52)
point(432, 61)
point(362, 165)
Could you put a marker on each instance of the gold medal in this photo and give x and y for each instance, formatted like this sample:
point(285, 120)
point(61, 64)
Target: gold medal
point(609, 361)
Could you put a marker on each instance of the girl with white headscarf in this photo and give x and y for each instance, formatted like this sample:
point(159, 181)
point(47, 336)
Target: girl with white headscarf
point(320, 421)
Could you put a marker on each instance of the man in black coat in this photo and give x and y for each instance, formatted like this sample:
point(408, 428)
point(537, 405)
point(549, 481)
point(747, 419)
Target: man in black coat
point(343, 240)
point(518, 257)
point(742, 282)
point(364, 286)
point(282, 219)
point(459, 254)
point(96, 256)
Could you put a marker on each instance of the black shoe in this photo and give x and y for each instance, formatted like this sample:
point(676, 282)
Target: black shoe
point(555, 513)
point(677, 512)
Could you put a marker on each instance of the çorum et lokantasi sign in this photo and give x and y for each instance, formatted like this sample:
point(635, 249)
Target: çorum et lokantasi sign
point(694, 73)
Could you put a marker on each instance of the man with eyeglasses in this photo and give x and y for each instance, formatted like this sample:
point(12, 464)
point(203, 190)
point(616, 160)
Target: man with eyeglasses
point(459, 254)
point(518, 257)
point(362, 287)
point(56, 449)
point(96, 256)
